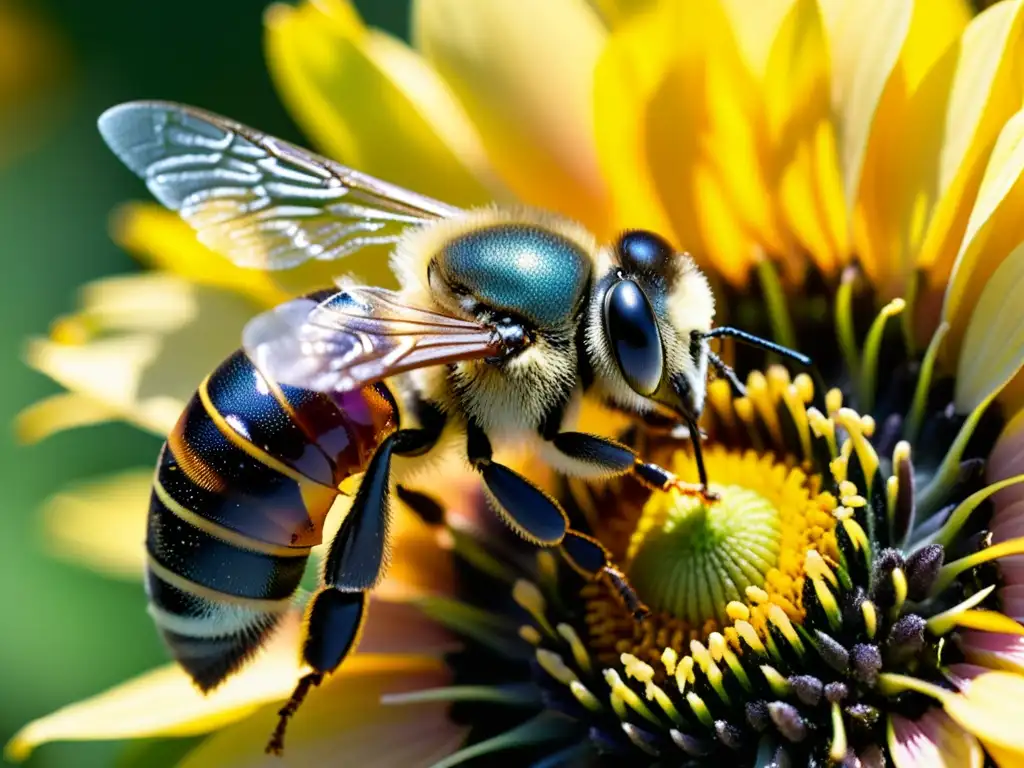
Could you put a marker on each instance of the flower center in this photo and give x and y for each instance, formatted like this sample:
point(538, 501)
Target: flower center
point(691, 559)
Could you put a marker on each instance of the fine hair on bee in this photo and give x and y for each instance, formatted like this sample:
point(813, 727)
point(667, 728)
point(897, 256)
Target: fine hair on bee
point(507, 319)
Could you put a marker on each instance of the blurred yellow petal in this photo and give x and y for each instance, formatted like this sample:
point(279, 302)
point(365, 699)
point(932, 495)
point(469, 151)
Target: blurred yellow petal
point(101, 524)
point(148, 376)
point(972, 93)
point(865, 42)
point(993, 345)
point(344, 723)
point(628, 73)
point(369, 103)
point(164, 702)
point(162, 241)
point(804, 164)
point(757, 26)
point(615, 13)
point(57, 413)
point(524, 72)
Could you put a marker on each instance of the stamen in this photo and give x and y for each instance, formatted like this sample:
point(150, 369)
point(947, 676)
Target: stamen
point(872, 348)
point(669, 657)
point(850, 420)
point(700, 709)
point(951, 570)
point(584, 696)
point(579, 650)
point(623, 691)
point(529, 597)
point(530, 634)
point(899, 583)
point(553, 664)
point(870, 614)
point(838, 748)
point(779, 685)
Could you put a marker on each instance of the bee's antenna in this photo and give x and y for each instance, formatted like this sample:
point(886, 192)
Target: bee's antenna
point(727, 371)
point(276, 744)
point(756, 341)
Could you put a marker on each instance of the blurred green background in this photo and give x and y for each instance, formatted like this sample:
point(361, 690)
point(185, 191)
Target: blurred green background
point(68, 633)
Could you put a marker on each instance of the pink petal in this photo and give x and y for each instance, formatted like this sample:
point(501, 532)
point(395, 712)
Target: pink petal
point(1012, 569)
point(1007, 460)
point(994, 650)
point(934, 740)
point(1012, 599)
point(1007, 514)
point(961, 675)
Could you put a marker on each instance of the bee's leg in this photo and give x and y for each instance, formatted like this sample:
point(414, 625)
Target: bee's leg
point(590, 559)
point(355, 563)
point(529, 511)
point(595, 456)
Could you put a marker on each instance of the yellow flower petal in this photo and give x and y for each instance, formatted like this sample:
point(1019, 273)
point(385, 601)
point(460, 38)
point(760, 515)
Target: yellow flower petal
point(990, 621)
point(524, 72)
point(617, 12)
point(162, 241)
point(972, 93)
point(804, 165)
point(866, 40)
point(627, 75)
point(757, 26)
point(148, 376)
point(982, 709)
point(901, 165)
point(164, 702)
point(344, 723)
point(101, 524)
point(993, 345)
point(674, 96)
point(57, 413)
point(372, 103)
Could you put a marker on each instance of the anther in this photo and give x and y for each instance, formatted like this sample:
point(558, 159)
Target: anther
point(788, 720)
point(807, 688)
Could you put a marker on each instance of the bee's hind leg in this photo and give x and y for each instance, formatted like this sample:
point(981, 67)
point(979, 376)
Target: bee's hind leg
point(355, 563)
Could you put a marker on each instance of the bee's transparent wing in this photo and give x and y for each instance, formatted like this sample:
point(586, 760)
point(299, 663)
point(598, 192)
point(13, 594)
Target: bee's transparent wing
point(356, 337)
point(260, 201)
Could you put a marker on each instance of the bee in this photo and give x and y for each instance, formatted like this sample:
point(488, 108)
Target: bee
point(506, 318)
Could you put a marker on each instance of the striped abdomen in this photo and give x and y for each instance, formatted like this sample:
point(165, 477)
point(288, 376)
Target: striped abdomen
point(242, 488)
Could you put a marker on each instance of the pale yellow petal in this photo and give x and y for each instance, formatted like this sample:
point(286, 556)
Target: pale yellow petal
point(982, 710)
point(899, 171)
point(971, 93)
point(866, 41)
point(58, 413)
point(185, 331)
point(161, 240)
point(757, 26)
point(993, 230)
point(615, 13)
point(993, 345)
point(164, 702)
point(101, 524)
point(370, 104)
point(524, 72)
point(344, 723)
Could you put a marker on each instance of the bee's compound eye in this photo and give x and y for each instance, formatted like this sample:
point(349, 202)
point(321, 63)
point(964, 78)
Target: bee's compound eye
point(632, 331)
point(643, 251)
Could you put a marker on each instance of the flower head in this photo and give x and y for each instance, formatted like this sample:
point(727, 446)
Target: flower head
point(847, 175)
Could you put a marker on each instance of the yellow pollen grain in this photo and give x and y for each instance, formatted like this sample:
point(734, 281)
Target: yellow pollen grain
point(900, 453)
point(530, 634)
point(669, 657)
point(757, 595)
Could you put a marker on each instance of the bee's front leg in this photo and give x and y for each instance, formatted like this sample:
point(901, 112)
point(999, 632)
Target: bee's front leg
point(596, 456)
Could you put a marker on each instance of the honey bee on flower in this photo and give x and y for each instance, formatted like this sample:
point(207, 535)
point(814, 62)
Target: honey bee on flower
point(845, 175)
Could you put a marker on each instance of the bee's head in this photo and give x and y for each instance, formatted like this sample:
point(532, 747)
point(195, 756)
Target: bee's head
point(649, 312)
